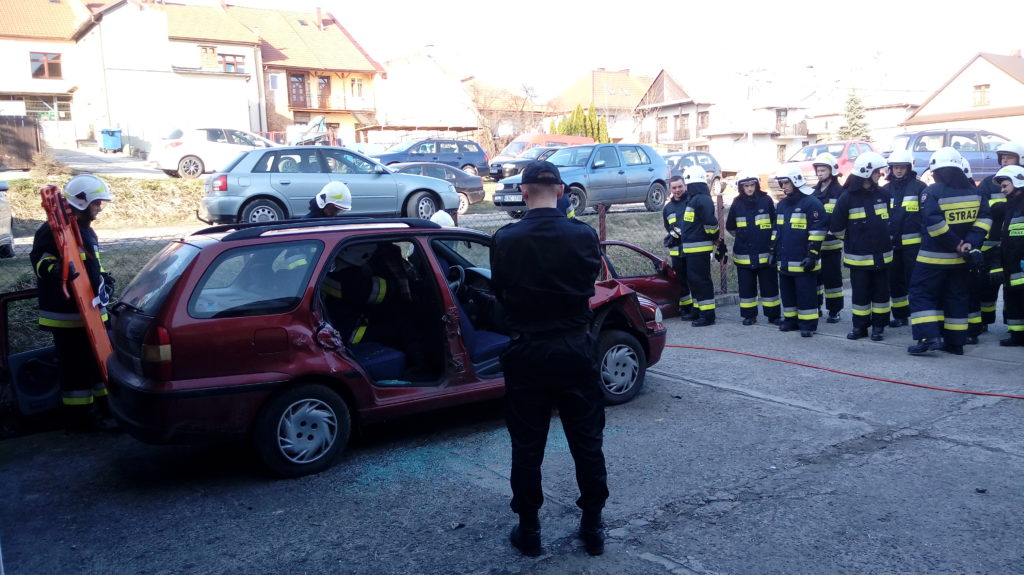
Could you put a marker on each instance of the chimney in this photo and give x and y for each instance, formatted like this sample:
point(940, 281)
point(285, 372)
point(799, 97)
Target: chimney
point(319, 19)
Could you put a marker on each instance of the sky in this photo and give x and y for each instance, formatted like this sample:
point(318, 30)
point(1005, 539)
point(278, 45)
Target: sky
point(547, 45)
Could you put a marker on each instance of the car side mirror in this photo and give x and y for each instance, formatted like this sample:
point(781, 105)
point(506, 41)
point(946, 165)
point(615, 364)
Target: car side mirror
point(379, 169)
point(599, 164)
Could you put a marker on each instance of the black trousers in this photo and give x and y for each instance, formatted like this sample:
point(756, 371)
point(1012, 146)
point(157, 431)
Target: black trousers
point(77, 370)
point(546, 374)
point(685, 301)
point(983, 302)
point(750, 279)
point(1013, 312)
point(899, 280)
point(939, 300)
point(830, 280)
point(698, 275)
point(800, 300)
point(869, 299)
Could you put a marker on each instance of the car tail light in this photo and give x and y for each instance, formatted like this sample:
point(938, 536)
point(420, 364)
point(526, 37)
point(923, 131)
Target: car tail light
point(174, 144)
point(156, 354)
point(220, 183)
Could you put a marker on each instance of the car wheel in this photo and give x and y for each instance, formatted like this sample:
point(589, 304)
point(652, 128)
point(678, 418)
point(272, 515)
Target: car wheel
point(655, 198)
point(516, 214)
point(578, 199)
point(7, 251)
point(463, 204)
point(302, 430)
point(191, 167)
point(716, 186)
point(171, 173)
point(623, 366)
point(262, 211)
point(470, 169)
point(420, 205)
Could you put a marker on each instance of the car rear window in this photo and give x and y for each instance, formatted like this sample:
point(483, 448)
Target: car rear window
point(288, 161)
point(900, 143)
point(255, 280)
point(469, 147)
point(634, 156)
point(148, 290)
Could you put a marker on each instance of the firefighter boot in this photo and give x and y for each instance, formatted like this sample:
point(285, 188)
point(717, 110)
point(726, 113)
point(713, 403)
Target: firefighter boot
point(877, 333)
point(925, 345)
point(706, 318)
point(526, 536)
point(592, 533)
point(688, 314)
point(857, 333)
point(1016, 339)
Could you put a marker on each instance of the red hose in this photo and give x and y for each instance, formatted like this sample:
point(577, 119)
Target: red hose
point(840, 372)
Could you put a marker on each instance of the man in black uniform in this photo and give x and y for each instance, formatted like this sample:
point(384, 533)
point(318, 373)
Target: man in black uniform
point(543, 270)
point(672, 218)
point(830, 278)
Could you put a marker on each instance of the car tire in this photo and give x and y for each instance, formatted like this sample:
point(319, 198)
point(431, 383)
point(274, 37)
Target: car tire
point(6, 251)
point(420, 205)
point(262, 210)
point(302, 430)
point(655, 198)
point(470, 169)
point(622, 365)
point(578, 199)
point(516, 214)
point(716, 186)
point(191, 167)
point(463, 203)
point(171, 173)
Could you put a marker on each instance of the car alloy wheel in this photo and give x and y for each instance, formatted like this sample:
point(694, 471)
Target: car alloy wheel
point(470, 169)
point(191, 167)
point(421, 205)
point(623, 366)
point(463, 204)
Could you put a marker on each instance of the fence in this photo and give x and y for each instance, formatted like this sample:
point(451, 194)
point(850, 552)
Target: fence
point(19, 141)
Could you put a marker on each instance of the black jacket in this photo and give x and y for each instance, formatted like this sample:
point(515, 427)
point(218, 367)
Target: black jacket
point(829, 197)
point(55, 310)
point(672, 217)
point(700, 223)
point(751, 221)
point(861, 220)
point(800, 227)
point(950, 215)
point(997, 211)
point(1012, 248)
point(905, 210)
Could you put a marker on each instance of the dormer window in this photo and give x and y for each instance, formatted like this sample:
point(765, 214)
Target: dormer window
point(981, 94)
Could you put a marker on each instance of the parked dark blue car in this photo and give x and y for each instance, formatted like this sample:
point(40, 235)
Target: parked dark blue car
point(463, 154)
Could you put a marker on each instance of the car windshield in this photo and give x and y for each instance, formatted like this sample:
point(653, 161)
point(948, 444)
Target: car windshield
point(400, 147)
point(570, 157)
point(513, 149)
point(150, 287)
point(532, 153)
point(808, 153)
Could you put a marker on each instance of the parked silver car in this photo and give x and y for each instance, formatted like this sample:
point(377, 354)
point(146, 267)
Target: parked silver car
point(278, 183)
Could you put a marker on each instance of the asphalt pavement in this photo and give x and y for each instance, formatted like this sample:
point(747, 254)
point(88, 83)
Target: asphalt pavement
point(724, 464)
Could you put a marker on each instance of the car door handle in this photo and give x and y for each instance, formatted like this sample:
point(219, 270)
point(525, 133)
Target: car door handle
point(622, 172)
point(650, 169)
point(285, 182)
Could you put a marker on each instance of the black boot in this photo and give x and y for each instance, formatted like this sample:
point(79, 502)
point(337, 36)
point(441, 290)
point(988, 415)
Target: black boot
point(749, 320)
point(877, 333)
point(833, 317)
point(592, 533)
point(857, 333)
point(775, 320)
point(688, 314)
point(526, 536)
point(1016, 339)
point(898, 322)
point(953, 349)
point(924, 346)
point(706, 318)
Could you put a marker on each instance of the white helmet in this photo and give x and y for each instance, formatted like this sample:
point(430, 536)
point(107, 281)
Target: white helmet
point(1013, 173)
point(694, 175)
point(945, 158)
point(443, 219)
point(901, 157)
point(1011, 148)
point(827, 159)
point(747, 178)
point(792, 173)
point(358, 254)
point(867, 163)
point(966, 166)
point(336, 193)
point(80, 191)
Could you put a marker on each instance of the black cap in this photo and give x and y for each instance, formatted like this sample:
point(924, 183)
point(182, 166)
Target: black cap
point(541, 172)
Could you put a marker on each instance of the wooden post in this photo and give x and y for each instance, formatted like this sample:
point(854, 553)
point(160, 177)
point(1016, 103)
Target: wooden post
point(723, 266)
point(602, 229)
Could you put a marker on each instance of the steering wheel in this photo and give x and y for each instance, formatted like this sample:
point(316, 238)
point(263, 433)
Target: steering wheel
point(455, 283)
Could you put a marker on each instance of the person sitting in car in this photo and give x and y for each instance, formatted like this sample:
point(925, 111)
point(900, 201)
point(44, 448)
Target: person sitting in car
point(333, 200)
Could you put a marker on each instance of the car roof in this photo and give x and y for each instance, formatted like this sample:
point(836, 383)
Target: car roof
point(351, 225)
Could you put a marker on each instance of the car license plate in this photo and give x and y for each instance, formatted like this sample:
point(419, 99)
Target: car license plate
point(513, 198)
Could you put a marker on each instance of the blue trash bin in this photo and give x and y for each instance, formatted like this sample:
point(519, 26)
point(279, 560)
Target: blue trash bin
point(111, 141)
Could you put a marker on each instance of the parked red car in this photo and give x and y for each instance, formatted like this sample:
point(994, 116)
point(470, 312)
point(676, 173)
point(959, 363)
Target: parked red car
point(845, 151)
point(231, 333)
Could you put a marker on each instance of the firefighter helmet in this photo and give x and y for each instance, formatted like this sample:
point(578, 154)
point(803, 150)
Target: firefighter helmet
point(747, 178)
point(80, 191)
point(443, 219)
point(1011, 148)
point(904, 157)
point(357, 255)
point(336, 193)
point(1013, 173)
point(827, 159)
point(867, 163)
point(792, 173)
point(945, 158)
point(694, 175)
point(966, 166)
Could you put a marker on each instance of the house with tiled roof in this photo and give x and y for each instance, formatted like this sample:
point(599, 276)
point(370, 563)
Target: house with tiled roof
point(986, 93)
point(614, 95)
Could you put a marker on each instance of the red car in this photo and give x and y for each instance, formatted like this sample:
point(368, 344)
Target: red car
point(233, 333)
point(846, 153)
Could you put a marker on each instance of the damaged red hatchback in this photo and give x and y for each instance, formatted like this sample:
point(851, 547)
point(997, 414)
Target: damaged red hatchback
point(290, 334)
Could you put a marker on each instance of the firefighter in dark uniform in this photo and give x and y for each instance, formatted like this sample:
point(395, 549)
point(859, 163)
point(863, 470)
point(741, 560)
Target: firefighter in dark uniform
point(799, 230)
point(1010, 179)
point(955, 220)
point(986, 285)
point(544, 268)
point(334, 199)
point(751, 221)
point(83, 393)
point(861, 220)
point(904, 191)
point(354, 295)
point(830, 278)
point(672, 218)
point(699, 237)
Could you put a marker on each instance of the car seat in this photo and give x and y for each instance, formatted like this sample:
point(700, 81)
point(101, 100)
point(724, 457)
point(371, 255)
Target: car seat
point(484, 347)
point(380, 361)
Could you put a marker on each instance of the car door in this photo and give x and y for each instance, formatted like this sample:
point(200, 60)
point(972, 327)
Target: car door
point(639, 172)
point(607, 176)
point(219, 149)
point(296, 174)
point(644, 272)
point(373, 192)
point(966, 142)
point(448, 153)
point(989, 158)
point(425, 151)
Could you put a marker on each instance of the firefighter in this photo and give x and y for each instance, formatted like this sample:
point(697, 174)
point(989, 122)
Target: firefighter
point(334, 199)
point(830, 279)
point(799, 231)
point(904, 191)
point(986, 285)
point(1010, 179)
point(955, 220)
point(672, 219)
point(699, 237)
point(861, 220)
point(751, 221)
point(83, 394)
